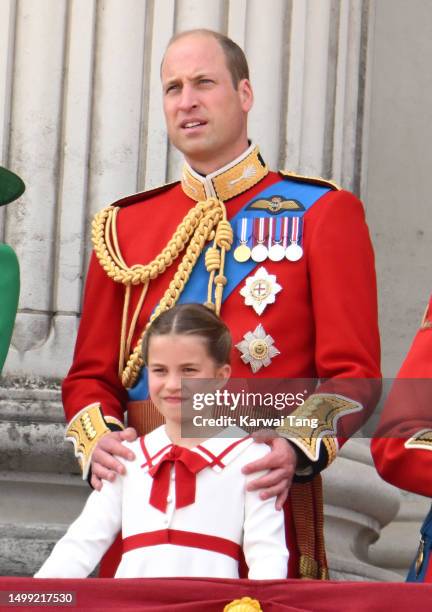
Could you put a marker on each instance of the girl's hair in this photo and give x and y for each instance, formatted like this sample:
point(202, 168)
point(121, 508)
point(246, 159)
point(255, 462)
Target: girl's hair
point(192, 320)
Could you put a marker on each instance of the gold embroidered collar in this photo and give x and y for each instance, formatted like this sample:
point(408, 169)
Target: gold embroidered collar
point(227, 182)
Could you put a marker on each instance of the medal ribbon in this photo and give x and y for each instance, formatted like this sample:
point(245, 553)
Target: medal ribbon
point(285, 232)
point(260, 229)
point(244, 230)
point(296, 229)
point(272, 230)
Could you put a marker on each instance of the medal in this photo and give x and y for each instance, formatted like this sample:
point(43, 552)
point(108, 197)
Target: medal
point(257, 349)
point(294, 251)
point(242, 253)
point(259, 252)
point(260, 290)
point(276, 251)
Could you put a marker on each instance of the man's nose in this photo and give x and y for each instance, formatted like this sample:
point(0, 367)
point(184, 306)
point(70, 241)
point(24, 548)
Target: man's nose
point(188, 98)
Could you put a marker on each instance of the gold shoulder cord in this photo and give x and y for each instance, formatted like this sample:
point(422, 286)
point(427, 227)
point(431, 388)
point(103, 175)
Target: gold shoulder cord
point(205, 221)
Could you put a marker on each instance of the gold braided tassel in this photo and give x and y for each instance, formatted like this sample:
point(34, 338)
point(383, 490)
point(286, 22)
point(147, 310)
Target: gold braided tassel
point(207, 219)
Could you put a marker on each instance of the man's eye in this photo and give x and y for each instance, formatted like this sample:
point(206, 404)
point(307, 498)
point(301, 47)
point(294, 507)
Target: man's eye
point(171, 88)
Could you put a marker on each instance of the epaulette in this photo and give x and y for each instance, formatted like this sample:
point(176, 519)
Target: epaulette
point(143, 195)
point(315, 180)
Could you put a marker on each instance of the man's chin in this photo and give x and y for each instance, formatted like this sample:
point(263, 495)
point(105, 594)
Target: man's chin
point(195, 149)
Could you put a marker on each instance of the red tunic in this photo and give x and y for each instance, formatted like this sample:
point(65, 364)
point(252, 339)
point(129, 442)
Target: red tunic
point(402, 446)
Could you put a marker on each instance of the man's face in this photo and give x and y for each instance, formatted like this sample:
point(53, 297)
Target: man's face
point(206, 116)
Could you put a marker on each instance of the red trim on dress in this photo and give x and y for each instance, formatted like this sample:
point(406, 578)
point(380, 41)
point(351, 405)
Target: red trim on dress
point(183, 538)
point(149, 460)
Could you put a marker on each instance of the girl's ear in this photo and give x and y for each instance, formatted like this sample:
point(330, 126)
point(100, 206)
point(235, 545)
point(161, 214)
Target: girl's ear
point(224, 371)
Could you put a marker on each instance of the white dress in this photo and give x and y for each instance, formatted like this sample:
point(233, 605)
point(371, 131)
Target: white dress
point(200, 539)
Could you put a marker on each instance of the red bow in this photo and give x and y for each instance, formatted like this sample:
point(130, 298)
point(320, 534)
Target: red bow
point(186, 464)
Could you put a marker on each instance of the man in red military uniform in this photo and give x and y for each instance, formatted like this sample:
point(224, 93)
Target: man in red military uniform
point(402, 445)
point(289, 268)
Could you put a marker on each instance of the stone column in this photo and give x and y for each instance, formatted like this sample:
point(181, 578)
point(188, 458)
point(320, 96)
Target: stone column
point(358, 504)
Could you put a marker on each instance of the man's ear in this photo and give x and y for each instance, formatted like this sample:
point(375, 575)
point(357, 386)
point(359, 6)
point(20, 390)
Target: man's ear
point(245, 91)
point(224, 372)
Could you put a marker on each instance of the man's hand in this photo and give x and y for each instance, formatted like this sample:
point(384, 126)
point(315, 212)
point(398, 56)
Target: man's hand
point(282, 463)
point(103, 464)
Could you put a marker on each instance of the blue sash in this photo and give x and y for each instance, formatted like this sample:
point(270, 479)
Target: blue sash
point(196, 289)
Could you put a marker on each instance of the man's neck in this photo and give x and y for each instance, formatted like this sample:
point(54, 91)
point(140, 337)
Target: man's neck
point(205, 167)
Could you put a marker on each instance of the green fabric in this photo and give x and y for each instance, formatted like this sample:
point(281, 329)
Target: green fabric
point(11, 186)
point(9, 293)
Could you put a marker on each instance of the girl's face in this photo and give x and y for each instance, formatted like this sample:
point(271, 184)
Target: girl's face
point(172, 357)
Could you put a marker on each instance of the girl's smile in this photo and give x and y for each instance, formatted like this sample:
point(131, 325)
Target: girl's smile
point(174, 358)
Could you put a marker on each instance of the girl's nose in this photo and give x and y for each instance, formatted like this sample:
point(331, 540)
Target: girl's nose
point(173, 382)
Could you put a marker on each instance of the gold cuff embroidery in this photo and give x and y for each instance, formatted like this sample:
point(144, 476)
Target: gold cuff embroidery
point(325, 409)
point(421, 440)
point(84, 431)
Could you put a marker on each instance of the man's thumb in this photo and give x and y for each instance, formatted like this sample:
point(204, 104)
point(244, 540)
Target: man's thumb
point(129, 434)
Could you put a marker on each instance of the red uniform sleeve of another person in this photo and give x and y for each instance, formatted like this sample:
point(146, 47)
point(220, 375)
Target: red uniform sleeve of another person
point(93, 377)
point(402, 445)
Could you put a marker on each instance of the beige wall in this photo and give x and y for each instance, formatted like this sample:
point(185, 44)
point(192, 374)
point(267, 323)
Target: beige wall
point(399, 156)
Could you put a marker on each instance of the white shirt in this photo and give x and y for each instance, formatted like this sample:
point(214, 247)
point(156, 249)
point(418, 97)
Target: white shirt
point(223, 508)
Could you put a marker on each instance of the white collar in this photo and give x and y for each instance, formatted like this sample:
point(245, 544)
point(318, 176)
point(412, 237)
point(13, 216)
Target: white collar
point(218, 451)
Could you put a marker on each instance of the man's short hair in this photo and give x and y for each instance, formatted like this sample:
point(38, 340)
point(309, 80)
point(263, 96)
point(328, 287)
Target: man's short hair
point(235, 58)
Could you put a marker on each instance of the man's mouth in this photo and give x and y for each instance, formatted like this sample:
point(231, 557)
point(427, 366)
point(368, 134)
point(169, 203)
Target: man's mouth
point(188, 125)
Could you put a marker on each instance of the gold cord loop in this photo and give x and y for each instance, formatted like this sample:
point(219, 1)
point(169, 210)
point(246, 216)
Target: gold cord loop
point(204, 222)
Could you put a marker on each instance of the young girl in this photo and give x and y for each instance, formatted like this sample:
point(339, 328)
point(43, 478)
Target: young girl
point(182, 505)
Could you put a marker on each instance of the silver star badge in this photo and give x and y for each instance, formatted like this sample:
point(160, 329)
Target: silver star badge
point(260, 290)
point(257, 349)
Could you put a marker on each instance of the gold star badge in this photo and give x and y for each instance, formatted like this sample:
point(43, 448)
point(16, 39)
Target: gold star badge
point(257, 349)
